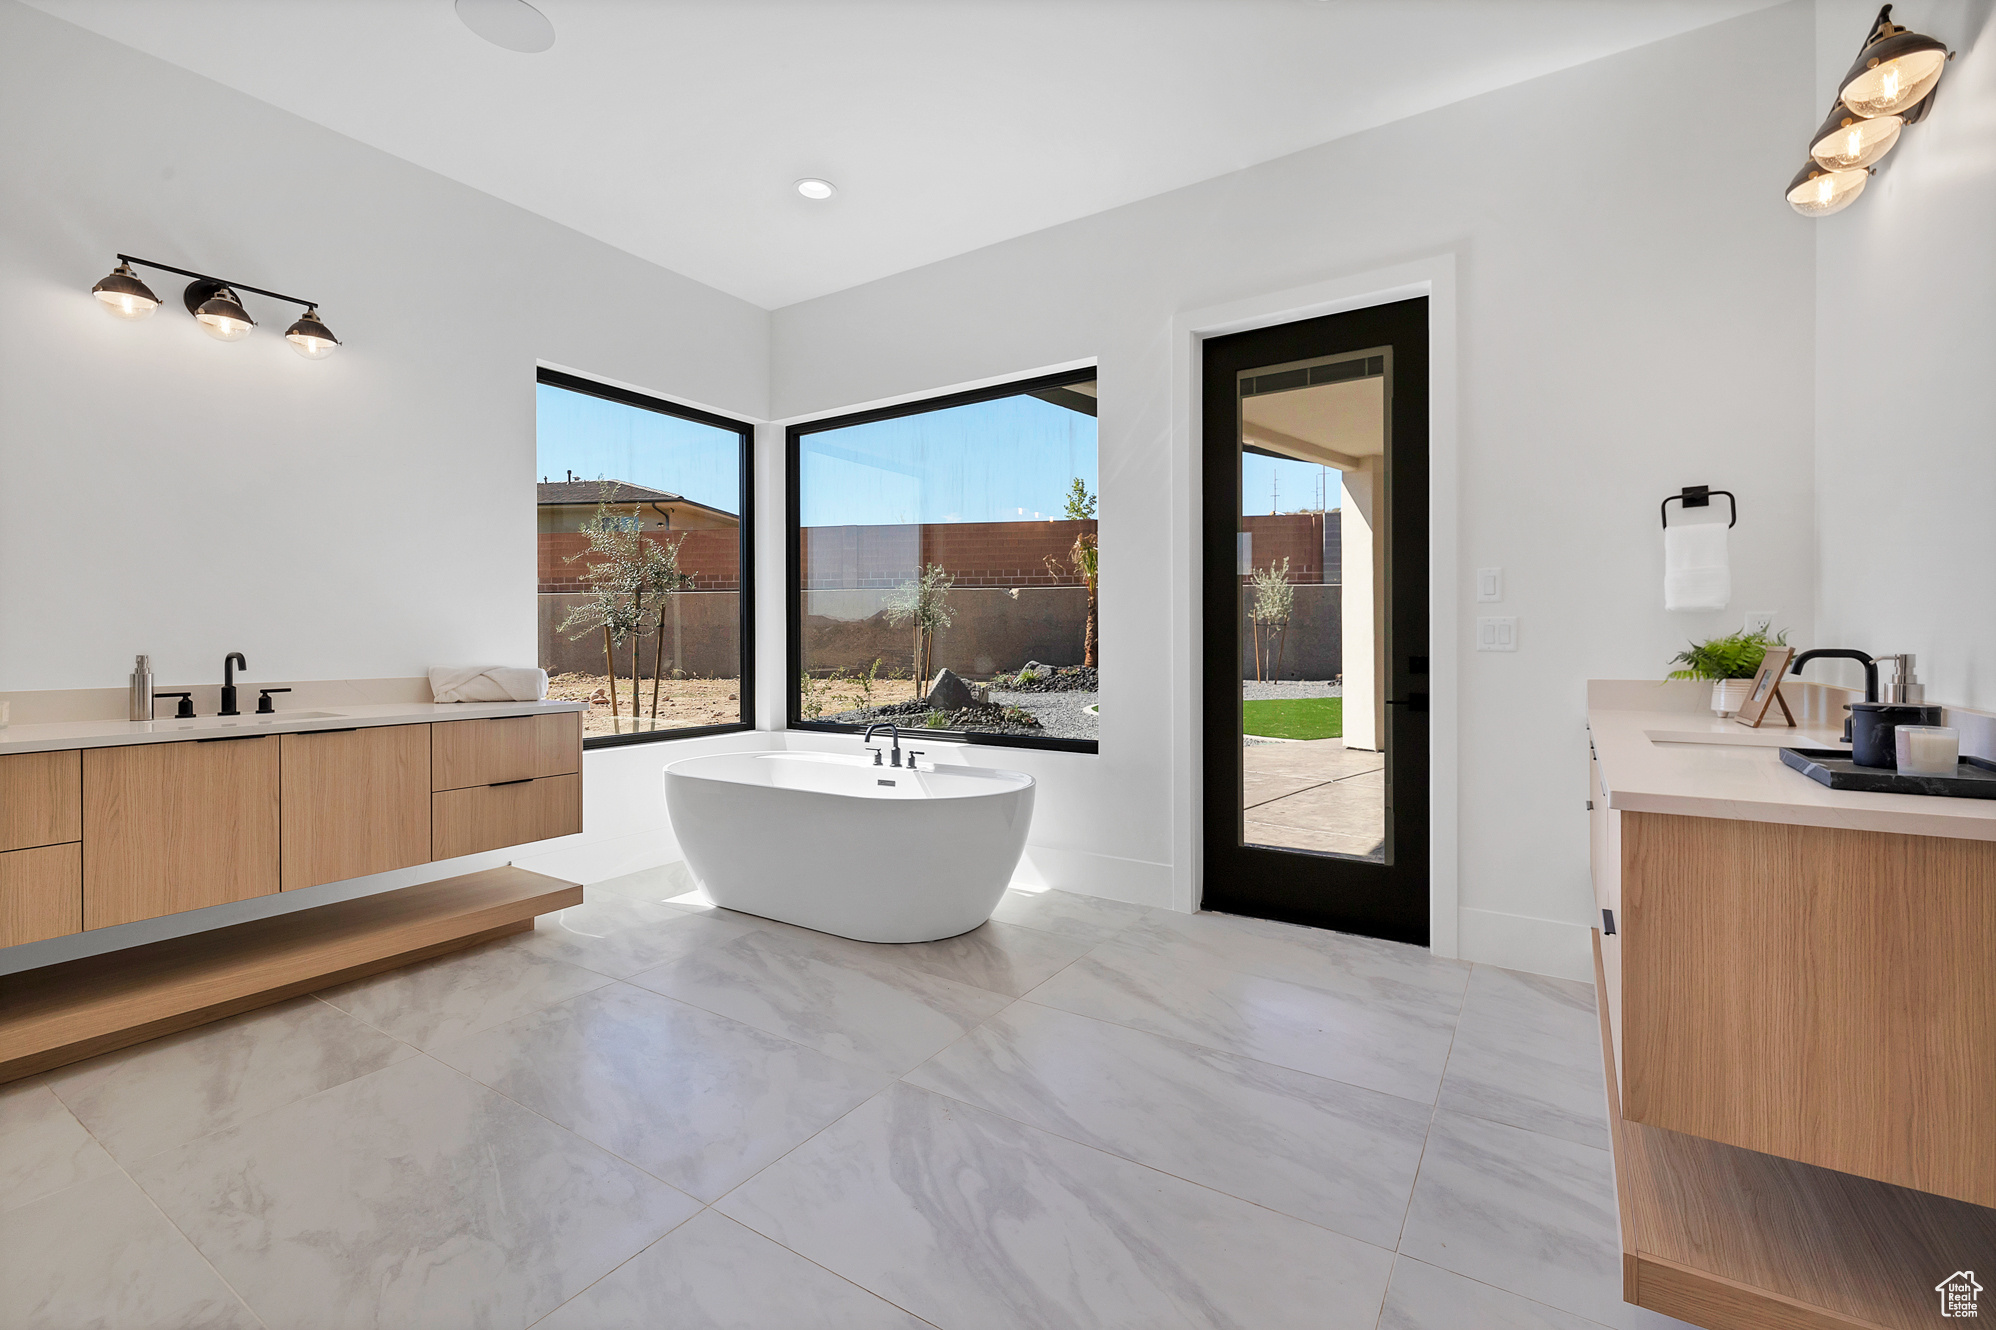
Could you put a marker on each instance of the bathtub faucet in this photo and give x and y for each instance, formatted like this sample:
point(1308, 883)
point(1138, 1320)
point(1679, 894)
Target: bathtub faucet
point(893, 734)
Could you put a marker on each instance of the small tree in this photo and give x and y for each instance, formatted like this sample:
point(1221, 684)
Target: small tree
point(630, 578)
point(1085, 558)
point(923, 602)
point(1274, 602)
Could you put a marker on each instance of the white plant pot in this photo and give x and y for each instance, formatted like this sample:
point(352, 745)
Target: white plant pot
point(1729, 695)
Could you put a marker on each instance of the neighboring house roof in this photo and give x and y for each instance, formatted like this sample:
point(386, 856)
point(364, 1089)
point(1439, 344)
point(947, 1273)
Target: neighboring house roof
point(589, 493)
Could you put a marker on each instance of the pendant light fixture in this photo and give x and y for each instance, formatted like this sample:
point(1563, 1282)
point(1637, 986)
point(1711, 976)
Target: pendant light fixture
point(219, 311)
point(215, 305)
point(310, 338)
point(124, 295)
point(1818, 192)
point(1890, 87)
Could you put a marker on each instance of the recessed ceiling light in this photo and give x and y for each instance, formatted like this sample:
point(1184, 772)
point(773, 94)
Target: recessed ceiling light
point(816, 189)
point(513, 24)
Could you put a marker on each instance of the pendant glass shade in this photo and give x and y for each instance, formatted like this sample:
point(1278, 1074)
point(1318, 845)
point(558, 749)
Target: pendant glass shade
point(124, 295)
point(1815, 192)
point(1891, 75)
point(1847, 139)
point(311, 338)
point(223, 317)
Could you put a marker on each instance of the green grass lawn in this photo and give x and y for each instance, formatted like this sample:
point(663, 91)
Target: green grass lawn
point(1295, 718)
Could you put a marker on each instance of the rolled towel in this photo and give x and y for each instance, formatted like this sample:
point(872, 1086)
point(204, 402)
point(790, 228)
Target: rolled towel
point(1697, 569)
point(487, 683)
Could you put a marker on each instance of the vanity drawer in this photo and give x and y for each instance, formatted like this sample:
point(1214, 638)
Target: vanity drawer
point(41, 893)
point(486, 817)
point(464, 753)
point(41, 799)
point(354, 802)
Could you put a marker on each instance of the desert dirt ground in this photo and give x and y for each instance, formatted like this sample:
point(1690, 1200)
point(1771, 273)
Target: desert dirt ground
point(682, 703)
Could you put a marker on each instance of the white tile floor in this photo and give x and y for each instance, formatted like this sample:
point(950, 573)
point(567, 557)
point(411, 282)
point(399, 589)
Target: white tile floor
point(650, 1114)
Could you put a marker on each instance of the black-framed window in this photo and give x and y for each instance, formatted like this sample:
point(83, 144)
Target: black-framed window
point(944, 567)
point(644, 511)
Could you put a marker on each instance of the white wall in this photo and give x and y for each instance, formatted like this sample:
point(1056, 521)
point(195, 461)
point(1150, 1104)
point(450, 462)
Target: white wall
point(1631, 321)
point(1906, 371)
point(366, 516)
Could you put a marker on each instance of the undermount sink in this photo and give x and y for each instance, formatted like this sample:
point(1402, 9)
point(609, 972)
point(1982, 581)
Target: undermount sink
point(227, 722)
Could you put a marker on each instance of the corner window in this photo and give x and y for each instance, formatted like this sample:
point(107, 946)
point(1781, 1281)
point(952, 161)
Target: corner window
point(944, 567)
point(644, 597)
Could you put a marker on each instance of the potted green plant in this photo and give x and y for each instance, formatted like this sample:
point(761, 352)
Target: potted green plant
point(1730, 662)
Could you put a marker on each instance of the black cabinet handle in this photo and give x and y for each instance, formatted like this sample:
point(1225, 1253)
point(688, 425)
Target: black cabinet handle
point(1607, 922)
point(524, 780)
point(229, 738)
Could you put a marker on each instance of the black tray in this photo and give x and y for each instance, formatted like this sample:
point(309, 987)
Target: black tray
point(1974, 777)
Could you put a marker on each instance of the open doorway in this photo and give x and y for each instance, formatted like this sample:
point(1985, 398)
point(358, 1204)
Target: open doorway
point(1316, 621)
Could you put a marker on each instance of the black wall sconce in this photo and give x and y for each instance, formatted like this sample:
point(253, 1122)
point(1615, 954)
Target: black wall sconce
point(214, 304)
point(1890, 87)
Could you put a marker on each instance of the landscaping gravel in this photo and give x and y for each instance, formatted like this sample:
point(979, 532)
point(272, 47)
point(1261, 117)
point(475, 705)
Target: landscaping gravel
point(1061, 715)
point(1255, 690)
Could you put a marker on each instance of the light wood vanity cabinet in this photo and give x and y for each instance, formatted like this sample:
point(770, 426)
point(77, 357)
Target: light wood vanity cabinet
point(504, 782)
point(178, 826)
point(354, 802)
point(41, 862)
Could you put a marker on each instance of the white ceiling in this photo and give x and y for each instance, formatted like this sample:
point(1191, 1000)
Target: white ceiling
point(675, 130)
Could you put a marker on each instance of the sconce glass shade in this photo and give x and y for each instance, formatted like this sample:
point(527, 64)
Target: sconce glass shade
point(311, 338)
point(1847, 139)
point(223, 317)
point(1891, 75)
point(124, 295)
point(1815, 192)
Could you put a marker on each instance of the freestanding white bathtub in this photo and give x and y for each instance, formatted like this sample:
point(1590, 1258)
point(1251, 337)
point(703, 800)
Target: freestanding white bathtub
point(834, 843)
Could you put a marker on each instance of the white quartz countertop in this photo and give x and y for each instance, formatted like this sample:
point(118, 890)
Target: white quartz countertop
point(56, 735)
point(1704, 766)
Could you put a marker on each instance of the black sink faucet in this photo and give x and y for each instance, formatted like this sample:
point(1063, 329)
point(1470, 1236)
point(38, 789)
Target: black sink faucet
point(230, 664)
point(893, 734)
point(1844, 653)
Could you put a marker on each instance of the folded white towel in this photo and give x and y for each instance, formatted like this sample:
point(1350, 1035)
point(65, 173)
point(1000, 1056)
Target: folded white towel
point(1697, 569)
point(487, 683)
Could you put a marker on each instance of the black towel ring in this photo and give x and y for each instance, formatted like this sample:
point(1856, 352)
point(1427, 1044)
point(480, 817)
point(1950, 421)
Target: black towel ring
point(1699, 496)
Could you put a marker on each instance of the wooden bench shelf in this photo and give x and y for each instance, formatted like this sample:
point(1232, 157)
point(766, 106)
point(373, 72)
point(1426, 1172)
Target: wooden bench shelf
point(1732, 1239)
point(63, 1013)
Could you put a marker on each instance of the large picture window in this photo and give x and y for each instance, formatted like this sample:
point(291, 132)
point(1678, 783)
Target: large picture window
point(643, 561)
point(944, 567)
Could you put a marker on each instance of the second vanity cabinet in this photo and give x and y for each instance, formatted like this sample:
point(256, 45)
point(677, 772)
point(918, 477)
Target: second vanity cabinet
point(96, 837)
point(178, 826)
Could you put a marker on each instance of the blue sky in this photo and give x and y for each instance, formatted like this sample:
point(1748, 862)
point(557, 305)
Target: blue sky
point(597, 439)
point(1006, 460)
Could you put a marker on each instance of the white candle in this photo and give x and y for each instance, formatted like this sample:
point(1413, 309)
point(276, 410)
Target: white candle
point(1927, 750)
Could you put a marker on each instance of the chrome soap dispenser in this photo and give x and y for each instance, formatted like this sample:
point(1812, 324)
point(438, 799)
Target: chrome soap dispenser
point(141, 707)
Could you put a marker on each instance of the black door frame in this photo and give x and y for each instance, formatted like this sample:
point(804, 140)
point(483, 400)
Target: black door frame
point(1378, 900)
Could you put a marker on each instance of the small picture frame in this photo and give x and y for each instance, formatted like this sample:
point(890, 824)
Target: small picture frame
point(1766, 689)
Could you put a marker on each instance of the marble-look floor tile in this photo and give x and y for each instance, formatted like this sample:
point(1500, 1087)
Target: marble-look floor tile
point(1393, 975)
point(100, 1256)
point(435, 1001)
point(1531, 1214)
point(1426, 1297)
point(618, 935)
point(826, 995)
point(43, 1148)
point(1317, 1149)
point(971, 1220)
point(1398, 1048)
point(1089, 918)
point(1002, 958)
point(153, 1096)
point(710, 1273)
point(697, 1099)
point(411, 1197)
point(1528, 1052)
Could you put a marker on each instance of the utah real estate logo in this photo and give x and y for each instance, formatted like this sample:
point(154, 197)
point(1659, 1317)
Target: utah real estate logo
point(1958, 1292)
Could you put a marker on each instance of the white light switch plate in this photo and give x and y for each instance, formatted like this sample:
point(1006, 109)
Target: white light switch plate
point(1490, 584)
point(1497, 634)
point(1760, 621)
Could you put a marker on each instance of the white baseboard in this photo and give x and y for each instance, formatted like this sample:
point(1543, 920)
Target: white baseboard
point(1520, 942)
point(1131, 881)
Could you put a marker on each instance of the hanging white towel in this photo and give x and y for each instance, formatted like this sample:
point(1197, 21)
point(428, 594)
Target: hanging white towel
point(1697, 569)
point(487, 683)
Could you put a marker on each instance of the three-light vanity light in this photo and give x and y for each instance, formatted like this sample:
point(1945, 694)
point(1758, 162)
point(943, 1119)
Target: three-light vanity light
point(1890, 87)
point(214, 304)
